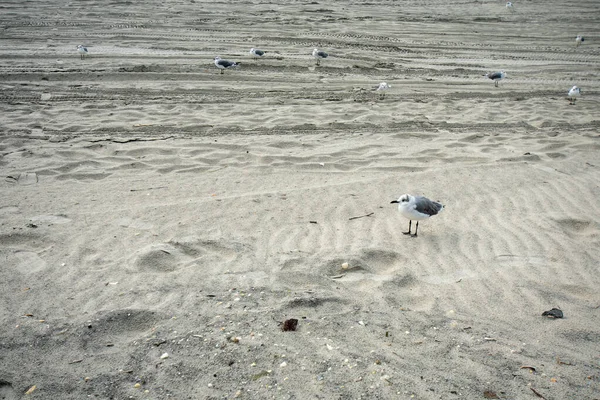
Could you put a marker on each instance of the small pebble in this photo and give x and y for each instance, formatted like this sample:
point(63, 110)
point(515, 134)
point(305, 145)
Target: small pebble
point(165, 355)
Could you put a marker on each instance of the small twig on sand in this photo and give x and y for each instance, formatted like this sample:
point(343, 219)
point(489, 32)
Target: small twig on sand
point(538, 394)
point(150, 188)
point(361, 216)
point(137, 139)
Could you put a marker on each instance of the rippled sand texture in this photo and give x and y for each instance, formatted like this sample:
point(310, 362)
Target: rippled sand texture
point(150, 205)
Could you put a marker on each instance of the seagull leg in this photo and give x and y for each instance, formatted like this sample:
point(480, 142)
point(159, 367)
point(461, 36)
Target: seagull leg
point(409, 225)
point(416, 229)
point(496, 84)
point(222, 71)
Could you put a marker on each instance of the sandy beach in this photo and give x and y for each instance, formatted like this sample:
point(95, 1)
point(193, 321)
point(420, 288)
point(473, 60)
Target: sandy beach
point(159, 220)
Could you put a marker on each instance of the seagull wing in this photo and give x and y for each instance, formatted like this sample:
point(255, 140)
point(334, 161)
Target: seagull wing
point(226, 63)
point(426, 206)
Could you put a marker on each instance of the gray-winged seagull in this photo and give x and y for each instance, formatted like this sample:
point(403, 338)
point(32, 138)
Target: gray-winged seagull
point(416, 208)
point(496, 76)
point(224, 64)
point(257, 52)
point(382, 88)
point(319, 55)
point(574, 92)
point(83, 51)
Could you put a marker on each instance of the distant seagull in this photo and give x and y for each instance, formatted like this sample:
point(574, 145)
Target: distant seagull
point(573, 94)
point(319, 55)
point(509, 5)
point(496, 77)
point(257, 52)
point(578, 40)
point(416, 208)
point(382, 88)
point(224, 64)
point(83, 51)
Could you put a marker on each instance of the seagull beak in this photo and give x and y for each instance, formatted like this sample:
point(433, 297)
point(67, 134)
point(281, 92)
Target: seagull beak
point(395, 201)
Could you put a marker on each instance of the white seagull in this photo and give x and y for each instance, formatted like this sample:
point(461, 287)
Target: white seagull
point(578, 40)
point(257, 52)
point(416, 208)
point(509, 5)
point(319, 55)
point(83, 51)
point(224, 64)
point(382, 88)
point(574, 92)
point(496, 77)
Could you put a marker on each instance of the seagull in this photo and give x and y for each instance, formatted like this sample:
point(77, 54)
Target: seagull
point(382, 88)
point(224, 64)
point(578, 40)
point(496, 77)
point(574, 92)
point(509, 5)
point(83, 51)
point(257, 52)
point(416, 208)
point(318, 55)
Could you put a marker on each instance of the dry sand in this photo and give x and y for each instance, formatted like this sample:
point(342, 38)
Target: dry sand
point(151, 206)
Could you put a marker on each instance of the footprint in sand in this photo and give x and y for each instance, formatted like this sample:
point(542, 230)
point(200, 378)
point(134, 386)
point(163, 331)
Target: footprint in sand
point(574, 225)
point(23, 178)
point(9, 210)
point(178, 254)
point(7, 391)
point(108, 327)
point(50, 219)
point(25, 261)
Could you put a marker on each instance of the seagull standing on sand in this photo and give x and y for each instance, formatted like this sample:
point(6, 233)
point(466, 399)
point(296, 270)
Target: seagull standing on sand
point(319, 55)
point(578, 40)
point(224, 64)
point(574, 92)
point(496, 77)
point(83, 51)
point(256, 52)
point(416, 208)
point(382, 88)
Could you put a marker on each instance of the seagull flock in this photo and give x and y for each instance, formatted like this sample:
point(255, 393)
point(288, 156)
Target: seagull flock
point(319, 55)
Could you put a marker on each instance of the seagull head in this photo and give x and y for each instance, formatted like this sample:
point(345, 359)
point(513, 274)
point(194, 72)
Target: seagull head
point(405, 198)
point(252, 50)
point(217, 58)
